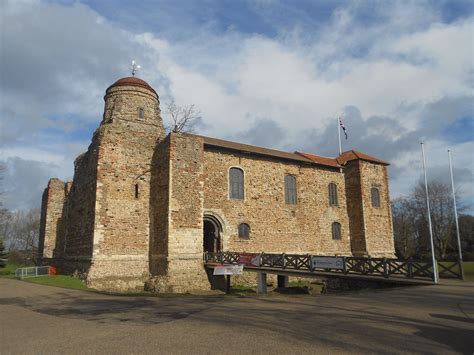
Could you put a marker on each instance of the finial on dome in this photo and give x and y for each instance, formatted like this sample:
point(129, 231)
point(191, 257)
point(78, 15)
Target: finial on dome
point(135, 67)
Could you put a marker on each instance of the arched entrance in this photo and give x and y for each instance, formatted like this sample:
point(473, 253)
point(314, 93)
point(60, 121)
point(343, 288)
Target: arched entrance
point(212, 235)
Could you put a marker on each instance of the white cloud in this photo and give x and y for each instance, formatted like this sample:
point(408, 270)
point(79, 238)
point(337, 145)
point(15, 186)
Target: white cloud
point(393, 70)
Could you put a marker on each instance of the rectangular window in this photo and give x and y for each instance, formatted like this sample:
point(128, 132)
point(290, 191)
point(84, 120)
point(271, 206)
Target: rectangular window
point(290, 190)
point(141, 113)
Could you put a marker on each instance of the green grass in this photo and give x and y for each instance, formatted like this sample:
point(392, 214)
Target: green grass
point(468, 270)
point(9, 270)
point(59, 281)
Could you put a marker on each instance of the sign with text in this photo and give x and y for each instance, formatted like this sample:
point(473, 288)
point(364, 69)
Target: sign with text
point(228, 270)
point(327, 262)
point(249, 259)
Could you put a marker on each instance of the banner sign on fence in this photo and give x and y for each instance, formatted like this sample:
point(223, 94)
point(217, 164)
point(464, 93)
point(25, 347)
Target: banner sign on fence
point(228, 270)
point(327, 262)
point(249, 259)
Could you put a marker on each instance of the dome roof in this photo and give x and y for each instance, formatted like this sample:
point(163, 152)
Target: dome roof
point(132, 81)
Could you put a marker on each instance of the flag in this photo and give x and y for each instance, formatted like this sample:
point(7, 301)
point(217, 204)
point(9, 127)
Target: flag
point(341, 124)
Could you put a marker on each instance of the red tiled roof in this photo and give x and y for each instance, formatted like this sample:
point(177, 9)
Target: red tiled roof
point(246, 148)
point(354, 155)
point(321, 160)
point(132, 81)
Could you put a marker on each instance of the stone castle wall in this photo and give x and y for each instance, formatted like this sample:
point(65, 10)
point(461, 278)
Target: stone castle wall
point(355, 208)
point(126, 148)
point(378, 220)
point(183, 261)
point(134, 211)
point(51, 217)
point(305, 227)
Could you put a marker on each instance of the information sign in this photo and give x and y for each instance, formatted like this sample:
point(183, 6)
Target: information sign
point(327, 262)
point(228, 270)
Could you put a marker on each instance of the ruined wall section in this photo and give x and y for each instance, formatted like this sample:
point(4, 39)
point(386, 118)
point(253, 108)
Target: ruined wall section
point(378, 220)
point(305, 227)
point(79, 211)
point(51, 217)
point(355, 210)
point(125, 152)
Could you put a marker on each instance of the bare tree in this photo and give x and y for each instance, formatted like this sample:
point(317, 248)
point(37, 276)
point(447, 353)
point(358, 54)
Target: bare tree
point(21, 232)
point(182, 118)
point(410, 221)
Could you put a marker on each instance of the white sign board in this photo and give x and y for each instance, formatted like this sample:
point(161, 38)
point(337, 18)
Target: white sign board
point(327, 262)
point(228, 270)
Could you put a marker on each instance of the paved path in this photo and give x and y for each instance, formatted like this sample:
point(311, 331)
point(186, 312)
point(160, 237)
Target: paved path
point(422, 319)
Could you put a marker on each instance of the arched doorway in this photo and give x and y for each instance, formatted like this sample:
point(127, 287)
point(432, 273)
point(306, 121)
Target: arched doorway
point(212, 242)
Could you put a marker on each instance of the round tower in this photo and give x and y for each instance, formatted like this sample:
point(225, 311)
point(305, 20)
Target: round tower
point(131, 101)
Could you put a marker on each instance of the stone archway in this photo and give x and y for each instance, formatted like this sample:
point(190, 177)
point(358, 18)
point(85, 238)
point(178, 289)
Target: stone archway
point(212, 240)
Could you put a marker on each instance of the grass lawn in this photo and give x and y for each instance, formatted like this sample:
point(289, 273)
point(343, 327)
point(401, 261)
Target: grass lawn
point(59, 281)
point(9, 270)
point(468, 270)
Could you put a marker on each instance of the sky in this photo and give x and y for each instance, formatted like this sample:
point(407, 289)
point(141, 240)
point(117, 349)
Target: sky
point(265, 72)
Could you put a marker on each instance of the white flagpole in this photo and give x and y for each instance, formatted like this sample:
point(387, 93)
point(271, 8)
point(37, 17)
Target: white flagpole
point(339, 135)
point(435, 265)
point(461, 267)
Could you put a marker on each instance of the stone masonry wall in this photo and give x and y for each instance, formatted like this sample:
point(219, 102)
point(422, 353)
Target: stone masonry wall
point(79, 209)
point(159, 208)
point(51, 214)
point(185, 268)
point(276, 226)
point(121, 232)
point(354, 208)
point(378, 220)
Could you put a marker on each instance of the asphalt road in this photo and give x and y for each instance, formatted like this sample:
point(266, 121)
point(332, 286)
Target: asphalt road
point(422, 319)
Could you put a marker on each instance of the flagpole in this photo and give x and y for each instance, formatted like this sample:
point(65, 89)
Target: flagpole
point(435, 265)
point(339, 135)
point(461, 267)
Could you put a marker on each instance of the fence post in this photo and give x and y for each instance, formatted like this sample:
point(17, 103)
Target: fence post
point(284, 261)
point(36, 271)
point(410, 267)
point(344, 265)
point(385, 268)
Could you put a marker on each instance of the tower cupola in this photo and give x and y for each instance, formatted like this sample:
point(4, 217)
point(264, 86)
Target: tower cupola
point(133, 102)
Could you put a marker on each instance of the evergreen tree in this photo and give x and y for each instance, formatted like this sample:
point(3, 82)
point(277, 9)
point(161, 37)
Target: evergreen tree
point(3, 255)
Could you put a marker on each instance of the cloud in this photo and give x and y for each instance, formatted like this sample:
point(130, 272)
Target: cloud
point(400, 72)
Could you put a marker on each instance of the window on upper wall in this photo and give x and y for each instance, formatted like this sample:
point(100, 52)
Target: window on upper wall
point(332, 194)
point(236, 183)
point(244, 231)
point(290, 190)
point(336, 231)
point(141, 113)
point(375, 197)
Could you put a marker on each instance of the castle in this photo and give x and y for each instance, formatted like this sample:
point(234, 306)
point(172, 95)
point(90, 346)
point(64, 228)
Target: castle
point(145, 206)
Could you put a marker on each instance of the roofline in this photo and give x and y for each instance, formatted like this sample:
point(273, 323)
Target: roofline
point(258, 151)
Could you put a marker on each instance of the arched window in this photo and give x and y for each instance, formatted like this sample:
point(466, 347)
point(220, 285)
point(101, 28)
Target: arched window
point(236, 183)
point(332, 194)
point(375, 197)
point(244, 231)
point(290, 189)
point(336, 230)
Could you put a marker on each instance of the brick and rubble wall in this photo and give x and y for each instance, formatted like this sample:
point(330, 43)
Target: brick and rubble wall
point(181, 259)
point(377, 220)
point(125, 151)
point(305, 227)
point(355, 208)
point(79, 212)
point(51, 218)
point(159, 208)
